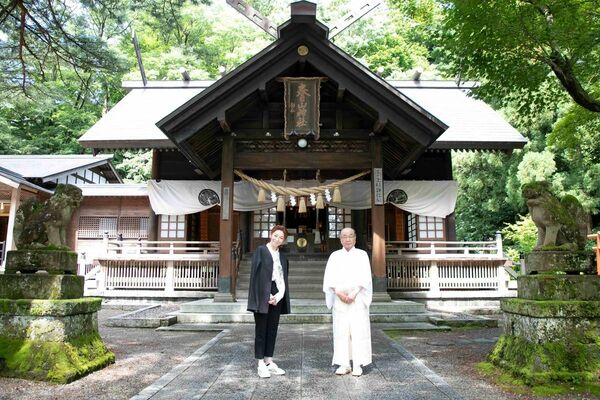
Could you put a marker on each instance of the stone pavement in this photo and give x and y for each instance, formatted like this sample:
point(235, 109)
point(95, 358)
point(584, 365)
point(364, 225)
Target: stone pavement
point(224, 368)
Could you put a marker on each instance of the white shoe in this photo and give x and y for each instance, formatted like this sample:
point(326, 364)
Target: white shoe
point(274, 369)
point(263, 371)
point(342, 370)
point(357, 371)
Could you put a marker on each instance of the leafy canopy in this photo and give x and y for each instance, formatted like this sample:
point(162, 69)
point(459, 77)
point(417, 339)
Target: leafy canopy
point(525, 48)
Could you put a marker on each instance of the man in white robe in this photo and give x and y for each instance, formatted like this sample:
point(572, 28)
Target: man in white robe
point(348, 288)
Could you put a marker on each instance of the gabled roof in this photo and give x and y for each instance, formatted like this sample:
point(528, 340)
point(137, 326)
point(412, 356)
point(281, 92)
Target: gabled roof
point(131, 123)
point(15, 180)
point(331, 61)
point(50, 167)
point(472, 124)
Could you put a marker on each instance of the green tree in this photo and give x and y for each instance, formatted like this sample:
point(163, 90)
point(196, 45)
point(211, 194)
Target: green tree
point(484, 202)
point(525, 49)
point(519, 238)
point(41, 41)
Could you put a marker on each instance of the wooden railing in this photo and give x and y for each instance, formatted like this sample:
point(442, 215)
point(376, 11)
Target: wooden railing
point(142, 268)
point(139, 247)
point(439, 268)
point(491, 248)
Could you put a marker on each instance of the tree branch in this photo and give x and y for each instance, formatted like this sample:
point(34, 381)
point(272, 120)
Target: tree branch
point(564, 72)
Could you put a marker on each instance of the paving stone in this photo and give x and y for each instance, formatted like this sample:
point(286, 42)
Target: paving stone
point(224, 368)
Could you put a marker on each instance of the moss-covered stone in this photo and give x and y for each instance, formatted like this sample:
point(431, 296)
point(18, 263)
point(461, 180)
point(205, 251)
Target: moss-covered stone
point(51, 261)
point(562, 224)
point(40, 286)
point(537, 363)
point(58, 362)
point(552, 308)
point(549, 329)
point(36, 307)
point(48, 328)
point(559, 287)
point(559, 261)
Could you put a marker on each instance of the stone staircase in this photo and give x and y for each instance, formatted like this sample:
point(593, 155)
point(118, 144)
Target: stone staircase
point(305, 277)
point(308, 301)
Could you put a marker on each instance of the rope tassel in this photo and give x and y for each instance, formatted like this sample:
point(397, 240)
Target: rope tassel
point(320, 205)
point(280, 204)
point(302, 205)
point(337, 195)
point(261, 195)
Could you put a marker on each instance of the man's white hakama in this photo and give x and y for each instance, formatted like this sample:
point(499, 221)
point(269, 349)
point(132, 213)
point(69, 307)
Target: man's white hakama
point(347, 271)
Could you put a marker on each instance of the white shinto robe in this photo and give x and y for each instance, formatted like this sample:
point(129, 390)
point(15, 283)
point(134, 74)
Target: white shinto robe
point(347, 270)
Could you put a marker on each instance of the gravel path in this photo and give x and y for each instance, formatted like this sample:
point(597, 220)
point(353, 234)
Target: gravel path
point(142, 356)
point(453, 355)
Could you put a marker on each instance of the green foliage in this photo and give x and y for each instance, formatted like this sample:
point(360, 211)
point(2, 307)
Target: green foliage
point(42, 126)
point(134, 166)
point(536, 167)
point(519, 237)
point(45, 40)
point(533, 51)
point(483, 204)
point(397, 39)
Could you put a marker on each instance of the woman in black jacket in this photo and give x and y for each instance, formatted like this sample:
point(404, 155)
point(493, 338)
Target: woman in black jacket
point(268, 298)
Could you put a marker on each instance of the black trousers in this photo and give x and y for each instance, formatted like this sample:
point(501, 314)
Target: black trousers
point(265, 330)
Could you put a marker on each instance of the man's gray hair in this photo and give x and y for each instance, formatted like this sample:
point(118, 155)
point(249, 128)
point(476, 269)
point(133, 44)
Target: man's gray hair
point(348, 229)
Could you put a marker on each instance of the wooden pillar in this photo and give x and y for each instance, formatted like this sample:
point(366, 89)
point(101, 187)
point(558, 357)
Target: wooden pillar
point(226, 289)
point(15, 202)
point(153, 218)
point(378, 224)
point(450, 228)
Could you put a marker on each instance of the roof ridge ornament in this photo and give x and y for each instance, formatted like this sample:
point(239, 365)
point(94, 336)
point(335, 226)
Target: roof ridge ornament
point(253, 15)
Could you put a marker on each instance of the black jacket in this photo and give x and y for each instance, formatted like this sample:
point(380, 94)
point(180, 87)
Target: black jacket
point(261, 273)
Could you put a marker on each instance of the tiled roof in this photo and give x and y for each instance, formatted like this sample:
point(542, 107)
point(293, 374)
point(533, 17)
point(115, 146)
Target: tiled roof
point(472, 123)
point(48, 167)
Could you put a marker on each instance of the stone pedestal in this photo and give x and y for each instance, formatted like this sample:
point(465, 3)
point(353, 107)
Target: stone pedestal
point(51, 261)
point(48, 330)
point(569, 262)
point(552, 330)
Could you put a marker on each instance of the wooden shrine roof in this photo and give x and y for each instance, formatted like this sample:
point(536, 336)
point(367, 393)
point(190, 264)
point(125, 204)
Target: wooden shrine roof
point(472, 124)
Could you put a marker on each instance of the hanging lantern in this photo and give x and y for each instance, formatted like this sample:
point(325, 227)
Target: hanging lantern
point(261, 195)
point(280, 204)
point(320, 203)
point(302, 205)
point(337, 195)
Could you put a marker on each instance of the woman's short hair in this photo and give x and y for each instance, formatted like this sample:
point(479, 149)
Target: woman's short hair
point(280, 228)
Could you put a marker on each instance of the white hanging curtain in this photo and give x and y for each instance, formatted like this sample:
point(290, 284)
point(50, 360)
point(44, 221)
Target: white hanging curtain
point(183, 197)
point(427, 198)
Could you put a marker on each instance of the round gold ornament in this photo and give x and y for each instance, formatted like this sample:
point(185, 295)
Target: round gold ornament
point(303, 50)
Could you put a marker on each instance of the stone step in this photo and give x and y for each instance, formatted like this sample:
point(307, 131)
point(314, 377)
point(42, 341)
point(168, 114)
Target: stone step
point(247, 317)
point(294, 270)
point(319, 295)
point(295, 287)
point(244, 280)
point(300, 307)
point(405, 326)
